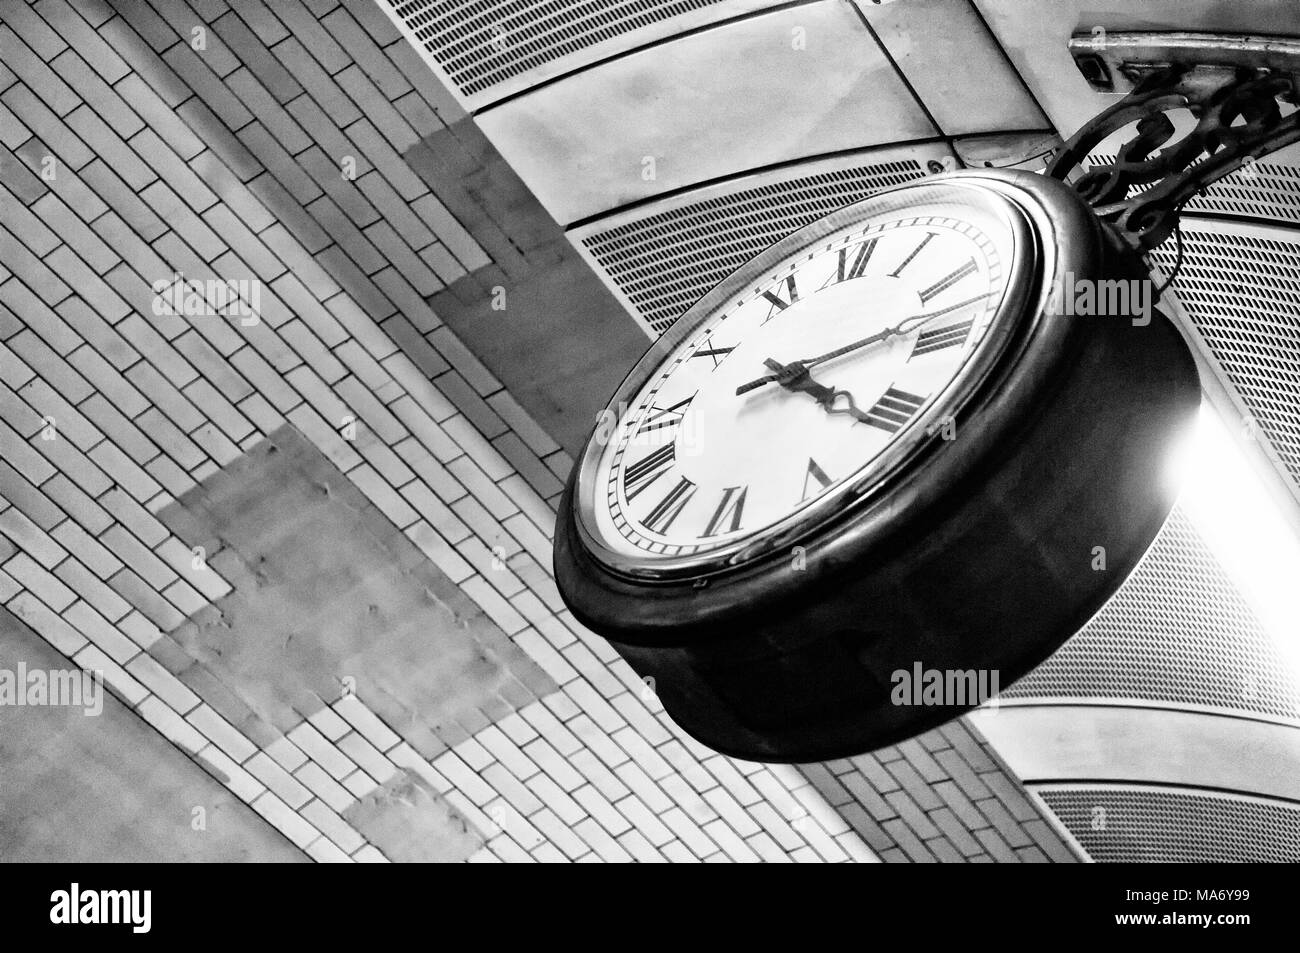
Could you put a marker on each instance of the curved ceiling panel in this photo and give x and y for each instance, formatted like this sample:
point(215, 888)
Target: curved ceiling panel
point(955, 65)
point(661, 258)
point(487, 50)
point(1051, 743)
point(1132, 824)
point(774, 88)
point(1179, 633)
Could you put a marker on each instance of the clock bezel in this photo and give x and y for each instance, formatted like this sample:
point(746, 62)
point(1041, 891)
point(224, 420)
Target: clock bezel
point(875, 475)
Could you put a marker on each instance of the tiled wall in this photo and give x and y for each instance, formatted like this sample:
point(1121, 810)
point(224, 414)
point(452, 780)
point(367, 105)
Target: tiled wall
point(211, 138)
point(942, 796)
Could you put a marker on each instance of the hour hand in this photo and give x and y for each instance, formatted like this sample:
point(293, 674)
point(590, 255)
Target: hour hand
point(794, 376)
point(785, 375)
point(852, 408)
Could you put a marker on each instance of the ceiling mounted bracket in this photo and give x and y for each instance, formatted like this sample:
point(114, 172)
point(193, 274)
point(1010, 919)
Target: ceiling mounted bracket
point(1242, 91)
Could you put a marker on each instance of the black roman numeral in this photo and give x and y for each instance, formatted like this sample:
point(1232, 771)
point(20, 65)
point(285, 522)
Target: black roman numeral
point(778, 304)
point(814, 472)
point(936, 339)
point(712, 352)
point(859, 262)
point(915, 251)
point(733, 502)
point(659, 417)
point(648, 469)
point(943, 284)
point(662, 516)
point(709, 351)
point(894, 409)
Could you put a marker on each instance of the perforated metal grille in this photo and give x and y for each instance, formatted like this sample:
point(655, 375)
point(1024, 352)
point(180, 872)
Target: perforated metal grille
point(1135, 825)
point(1243, 294)
point(666, 262)
point(480, 43)
point(1177, 631)
point(1263, 190)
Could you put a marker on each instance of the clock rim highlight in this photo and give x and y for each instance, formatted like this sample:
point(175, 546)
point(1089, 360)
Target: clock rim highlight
point(1021, 258)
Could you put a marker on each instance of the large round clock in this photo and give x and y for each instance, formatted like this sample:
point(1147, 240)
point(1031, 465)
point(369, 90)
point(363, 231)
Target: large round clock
point(886, 449)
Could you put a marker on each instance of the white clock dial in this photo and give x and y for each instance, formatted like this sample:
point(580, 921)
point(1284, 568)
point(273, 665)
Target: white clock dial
point(802, 381)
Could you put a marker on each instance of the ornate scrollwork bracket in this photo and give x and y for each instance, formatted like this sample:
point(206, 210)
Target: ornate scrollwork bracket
point(1242, 92)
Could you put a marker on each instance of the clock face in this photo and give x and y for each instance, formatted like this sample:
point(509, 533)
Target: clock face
point(805, 381)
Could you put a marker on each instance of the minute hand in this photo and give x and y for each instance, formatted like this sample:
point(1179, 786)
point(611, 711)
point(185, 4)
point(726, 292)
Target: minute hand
point(902, 327)
point(907, 324)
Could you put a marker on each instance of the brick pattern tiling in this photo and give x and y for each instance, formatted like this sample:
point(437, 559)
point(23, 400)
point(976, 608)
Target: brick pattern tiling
point(145, 140)
point(941, 796)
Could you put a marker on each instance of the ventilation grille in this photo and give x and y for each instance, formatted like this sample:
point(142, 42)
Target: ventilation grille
point(1240, 286)
point(480, 43)
point(1263, 191)
point(1178, 632)
point(1242, 291)
point(1266, 191)
point(1138, 824)
point(665, 262)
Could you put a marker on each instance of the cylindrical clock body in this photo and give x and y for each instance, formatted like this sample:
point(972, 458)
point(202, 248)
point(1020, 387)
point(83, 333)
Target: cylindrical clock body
point(990, 546)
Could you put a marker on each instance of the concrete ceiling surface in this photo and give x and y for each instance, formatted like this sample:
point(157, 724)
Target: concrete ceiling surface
point(768, 89)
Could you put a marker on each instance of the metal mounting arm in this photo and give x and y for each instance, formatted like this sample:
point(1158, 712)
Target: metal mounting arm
point(1242, 91)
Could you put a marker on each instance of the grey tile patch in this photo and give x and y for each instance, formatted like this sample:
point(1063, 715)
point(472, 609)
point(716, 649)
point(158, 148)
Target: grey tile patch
point(410, 823)
point(330, 596)
point(110, 788)
point(560, 371)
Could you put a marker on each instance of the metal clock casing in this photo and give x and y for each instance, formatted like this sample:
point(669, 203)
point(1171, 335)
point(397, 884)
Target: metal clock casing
point(973, 553)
